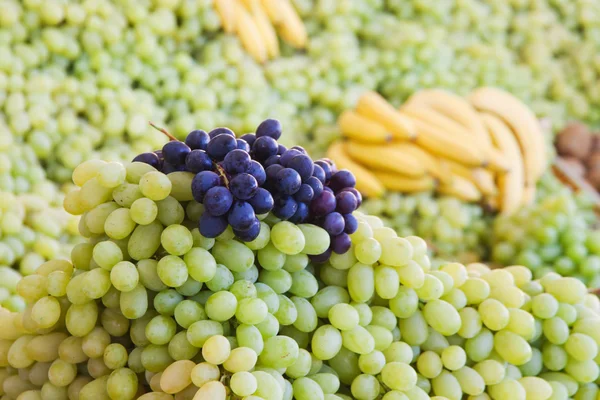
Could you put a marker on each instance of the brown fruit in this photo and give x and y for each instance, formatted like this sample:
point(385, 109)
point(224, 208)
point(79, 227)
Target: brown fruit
point(575, 165)
point(593, 177)
point(575, 140)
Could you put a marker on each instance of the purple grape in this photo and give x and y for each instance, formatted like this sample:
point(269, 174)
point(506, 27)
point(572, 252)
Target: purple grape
point(288, 181)
point(316, 186)
point(334, 223)
point(351, 224)
point(301, 214)
point(220, 131)
point(249, 234)
point(218, 200)
point(321, 258)
point(300, 149)
point(319, 173)
point(175, 152)
point(167, 168)
point(243, 186)
point(264, 147)
point(281, 149)
point(341, 243)
point(197, 139)
point(269, 127)
point(326, 169)
point(249, 138)
point(198, 161)
point(220, 145)
point(328, 189)
point(237, 161)
point(272, 160)
point(148, 158)
point(211, 226)
point(243, 145)
point(285, 207)
point(346, 202)
point(305, 194)
point(262, 201)
point(202, 183)
point(356, 194)
point(303, 165)
point(323, 204)
point(159, 154)
point(341, 180)
point(272, 171)
point(287, 156)
point(241, 216)
point(258, 172)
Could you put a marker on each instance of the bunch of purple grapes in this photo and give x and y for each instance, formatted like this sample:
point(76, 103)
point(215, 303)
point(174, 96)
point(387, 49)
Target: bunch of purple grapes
point(237, 179)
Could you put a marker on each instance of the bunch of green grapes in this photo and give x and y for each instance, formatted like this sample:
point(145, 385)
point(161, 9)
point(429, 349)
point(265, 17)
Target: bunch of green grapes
point(555, 234)
point(455, 230)
point(148, 308)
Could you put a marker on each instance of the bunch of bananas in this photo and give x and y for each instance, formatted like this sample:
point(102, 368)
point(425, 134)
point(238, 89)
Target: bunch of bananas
point(257, 22)
point(486, 148)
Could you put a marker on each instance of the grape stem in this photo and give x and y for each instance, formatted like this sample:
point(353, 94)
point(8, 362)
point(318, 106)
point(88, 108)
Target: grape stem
point(163, 130)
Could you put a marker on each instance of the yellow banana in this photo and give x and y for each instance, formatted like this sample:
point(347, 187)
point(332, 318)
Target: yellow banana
point(273, 9)
point(362, 129)
point(436, 141)
point(249, 33)
point(528, 195)
point(461, 188)
point(373, 106)
point(480, 177)
point(366, 182)
point(226, 10)
point(291, 27)
point(523, 123)
point(510, 184)
point(385, 158)
point(266, 29)
point(432, 165)
point(405, 184)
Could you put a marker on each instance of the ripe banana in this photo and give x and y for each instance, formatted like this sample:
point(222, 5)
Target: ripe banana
point(385, 158)
point(362, 129)
point(373, 106)
point(524, 125)
point(226, 10)
point(273, 9)
point(480, 177)
point(249, 33)
point(405, 184)
point(266, 29)
point(510, 184)
point(366, 182)
point(432, 165)
point(460, 188)
point(291, 27)
point(437, 142)
point(528, 195)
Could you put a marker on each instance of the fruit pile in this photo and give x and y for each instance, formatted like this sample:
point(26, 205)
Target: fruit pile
point(488, 147)
point(580, 149)
point(150, 308)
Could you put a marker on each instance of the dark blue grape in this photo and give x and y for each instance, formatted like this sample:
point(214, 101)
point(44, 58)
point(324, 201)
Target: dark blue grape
point(346, 202)
point(327, 189)
point(287, 156)
point(249, 138)
point(281, 149)
point(356, 194)
point(175, 152)
point(288, 181)
point(218, 200)
point(303, 165)
point(148, 158)
point(197, 139)
point(272, 171)
point(262, 201)
point(220, 131)
point(243, 145)
point(220, 145)
point(237, 161)
point(301, 214)
point(211, 226)
point(316, 186)
point(323, 204)
point(341, 180)
point(198, 161)
point(319, 173)
point(321, 258)
point(167, 168)
point(202, 183)
point(351, 224)
point(243, 186)
point(285, 207)
point(341, 243)
point(300, 149)
point(249, 234)
point(241, 216)
point(269, 127)
point(159, 154)
point(334, 223)
point(271, 160)
point(258, 172)
point(326, 169)
point(264, 147)
point(305, 194)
